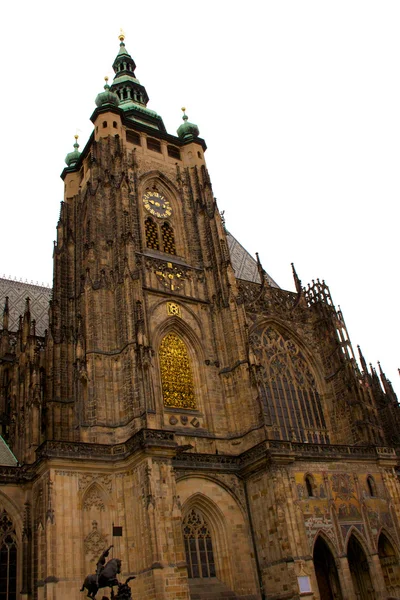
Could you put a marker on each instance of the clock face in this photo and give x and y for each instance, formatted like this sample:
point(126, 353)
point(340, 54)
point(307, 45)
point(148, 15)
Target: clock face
point(157, 204)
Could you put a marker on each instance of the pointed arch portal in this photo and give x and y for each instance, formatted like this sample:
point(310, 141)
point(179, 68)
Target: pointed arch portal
point(390, 565)
point(326, 572)
point(359, 570)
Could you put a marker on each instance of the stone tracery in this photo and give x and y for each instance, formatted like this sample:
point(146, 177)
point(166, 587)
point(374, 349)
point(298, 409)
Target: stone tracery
point(288, 387)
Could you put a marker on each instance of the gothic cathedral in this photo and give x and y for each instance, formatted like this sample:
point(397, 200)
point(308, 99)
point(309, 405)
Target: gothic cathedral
point(168, 398)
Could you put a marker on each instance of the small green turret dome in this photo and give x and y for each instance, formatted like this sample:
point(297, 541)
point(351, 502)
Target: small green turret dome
point(72, 157)
point(187, 131)
point(107, 97)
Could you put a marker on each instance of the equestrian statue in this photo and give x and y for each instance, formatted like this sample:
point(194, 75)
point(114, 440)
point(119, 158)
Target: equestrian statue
point(106, 576)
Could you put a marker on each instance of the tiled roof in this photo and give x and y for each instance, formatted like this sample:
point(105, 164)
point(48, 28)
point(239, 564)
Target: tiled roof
point(17, 293)
point(7, 458)
point(244, 265)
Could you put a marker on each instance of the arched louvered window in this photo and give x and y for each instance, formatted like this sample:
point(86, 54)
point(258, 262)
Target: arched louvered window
point(176, 373)
point(198, 546)
point(288, 388)
point(151, 234)
point(168, 238)
point(8, 558)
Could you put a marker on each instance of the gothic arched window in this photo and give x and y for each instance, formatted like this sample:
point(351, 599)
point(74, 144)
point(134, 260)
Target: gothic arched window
point(288, 388)
point(168, 238)
point(198, 546)
point(8, 558)
point(176, 373)
point(151, 234)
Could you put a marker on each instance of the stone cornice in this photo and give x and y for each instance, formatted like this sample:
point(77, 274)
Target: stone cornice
point(163, 442)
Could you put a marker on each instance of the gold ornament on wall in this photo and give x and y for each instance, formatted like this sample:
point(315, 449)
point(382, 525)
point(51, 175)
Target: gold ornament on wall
point(176, 373)
point(173, 309)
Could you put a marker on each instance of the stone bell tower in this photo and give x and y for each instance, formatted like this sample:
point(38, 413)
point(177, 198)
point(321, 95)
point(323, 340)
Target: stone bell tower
point(142, 282)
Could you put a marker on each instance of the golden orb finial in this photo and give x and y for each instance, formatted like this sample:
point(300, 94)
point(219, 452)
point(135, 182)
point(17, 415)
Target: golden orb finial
point(106, 78)
point(121, 36)
point(76, 136)
point(183, 108)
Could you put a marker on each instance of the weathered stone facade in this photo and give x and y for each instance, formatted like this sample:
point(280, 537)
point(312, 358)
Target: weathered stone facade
point(222, 423)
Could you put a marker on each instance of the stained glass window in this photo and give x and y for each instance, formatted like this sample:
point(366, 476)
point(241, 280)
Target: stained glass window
point(176, 373)
point(8, 558)
point(198, 546)
point(288, 388)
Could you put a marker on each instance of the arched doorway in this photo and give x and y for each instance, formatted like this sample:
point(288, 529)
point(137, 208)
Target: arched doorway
point(326, 572)
point(390, 565)
point(359, 570)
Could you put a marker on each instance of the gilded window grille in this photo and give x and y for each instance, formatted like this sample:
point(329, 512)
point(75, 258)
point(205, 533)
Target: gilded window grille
point(152, 240)
point(168, 238)
point(176, 373)
point(288, 388)
point(198, 546)
point(8, 558)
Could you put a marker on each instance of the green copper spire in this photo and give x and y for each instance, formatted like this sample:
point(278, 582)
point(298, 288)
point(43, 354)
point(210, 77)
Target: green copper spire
point(107, 97)
point(125, 84)
point(72, 157)
point(187, 131)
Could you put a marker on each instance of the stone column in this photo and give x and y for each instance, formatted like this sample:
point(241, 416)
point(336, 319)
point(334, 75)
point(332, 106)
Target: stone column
point(377, 578)
point(345, 580)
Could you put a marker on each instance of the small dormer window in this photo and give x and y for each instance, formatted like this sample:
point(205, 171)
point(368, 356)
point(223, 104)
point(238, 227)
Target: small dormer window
point(104, 124)
point(115, 124)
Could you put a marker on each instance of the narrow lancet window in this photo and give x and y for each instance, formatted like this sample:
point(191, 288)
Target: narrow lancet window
point(198, 546)
point(8, 558)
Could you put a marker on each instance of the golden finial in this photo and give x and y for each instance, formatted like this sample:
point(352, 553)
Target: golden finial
point(183, 109)
point(106, 78)
point(121, 36)
point(76, 136)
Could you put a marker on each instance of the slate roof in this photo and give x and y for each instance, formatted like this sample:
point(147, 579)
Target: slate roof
point(244, 265)
point(7, 458)
point(17, 292)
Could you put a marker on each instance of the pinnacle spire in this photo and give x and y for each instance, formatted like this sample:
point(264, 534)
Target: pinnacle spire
point(297, 280)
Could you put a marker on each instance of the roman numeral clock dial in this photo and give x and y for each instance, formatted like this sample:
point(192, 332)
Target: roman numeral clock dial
point(157, 205)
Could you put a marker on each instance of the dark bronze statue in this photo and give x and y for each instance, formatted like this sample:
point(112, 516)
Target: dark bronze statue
point(106, 576)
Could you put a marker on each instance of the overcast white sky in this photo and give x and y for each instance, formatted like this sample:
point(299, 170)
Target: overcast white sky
point(299, 104)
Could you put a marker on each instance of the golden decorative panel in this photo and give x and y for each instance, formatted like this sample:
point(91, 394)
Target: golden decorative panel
point(173, 309)
point(176, 373)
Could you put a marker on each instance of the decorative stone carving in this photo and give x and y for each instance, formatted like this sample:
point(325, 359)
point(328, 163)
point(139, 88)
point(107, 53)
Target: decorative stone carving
point(87, 479)
point(95, 542)
point(93, 499)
